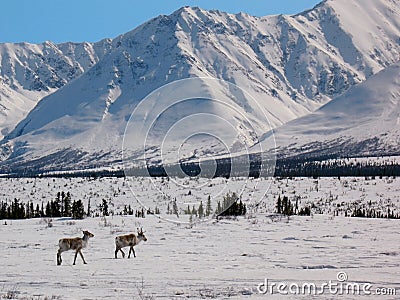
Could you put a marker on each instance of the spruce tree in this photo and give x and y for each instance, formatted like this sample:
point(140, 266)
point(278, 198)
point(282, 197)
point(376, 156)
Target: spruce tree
point(194, 211)
point(78, 210)
point(104, 208)
point(3, 210)
point(190, 218)
point(242, 208)
point(125, 211)
point(200, 210)
point(208, 207)
point(88, 212)
point(67, 204)
point(37, 211)
point(56, 207)
point(61, 200)
point(219, 209)
point(32, 210)
point(175, 208)
point(48, 212)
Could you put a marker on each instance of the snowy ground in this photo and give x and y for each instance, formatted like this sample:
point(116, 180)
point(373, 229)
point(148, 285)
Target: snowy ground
point(221, 260)
point(328, 195)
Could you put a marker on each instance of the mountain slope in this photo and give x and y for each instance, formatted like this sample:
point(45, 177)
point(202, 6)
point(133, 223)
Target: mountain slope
point(29, 72)
point(290, 64)
point(363, 121)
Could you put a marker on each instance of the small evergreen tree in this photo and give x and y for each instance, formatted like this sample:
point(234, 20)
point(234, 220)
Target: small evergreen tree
point(287, 207)
point(78, 210)
point(200, 210)
point(67, 204)
point(125, 211)
point(37, 211)
point(48, 211)
point(104, 208)
point(3, 210)
point(31, 210)
point(191, 218)
point(56, 208)
point(88, 213)
point(208, 207)
point(219, 208)
point(279, 205)
point(194, 211)
point(175, 208)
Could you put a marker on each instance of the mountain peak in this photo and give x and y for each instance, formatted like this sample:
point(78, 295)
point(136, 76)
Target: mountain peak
point(185, 11)
point(291, 64)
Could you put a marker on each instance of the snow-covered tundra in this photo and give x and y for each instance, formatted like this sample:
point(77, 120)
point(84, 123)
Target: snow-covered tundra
point(224, 259)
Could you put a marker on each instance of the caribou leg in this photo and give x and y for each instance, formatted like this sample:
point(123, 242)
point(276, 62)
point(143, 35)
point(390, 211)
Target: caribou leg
point(116, 252)
point(80, 252)
point(133, 251)
point(76, 254)
point(59, 260)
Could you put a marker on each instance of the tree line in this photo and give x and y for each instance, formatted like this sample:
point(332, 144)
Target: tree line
point(61, 206)
point(372, 213)
point(285, 207)
point(301, 167)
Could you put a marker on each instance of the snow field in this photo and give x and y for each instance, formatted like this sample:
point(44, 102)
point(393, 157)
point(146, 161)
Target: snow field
point(217, 259)
point(221, 260)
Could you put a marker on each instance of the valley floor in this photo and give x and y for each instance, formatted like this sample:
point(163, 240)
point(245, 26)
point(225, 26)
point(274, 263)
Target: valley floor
point(224, 259)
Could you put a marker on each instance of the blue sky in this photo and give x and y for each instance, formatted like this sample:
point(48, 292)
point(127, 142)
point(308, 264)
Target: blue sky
point(36, 21)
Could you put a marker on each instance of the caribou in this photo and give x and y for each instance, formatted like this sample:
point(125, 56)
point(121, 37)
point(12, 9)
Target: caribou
point(129, 240)
point(76, 244)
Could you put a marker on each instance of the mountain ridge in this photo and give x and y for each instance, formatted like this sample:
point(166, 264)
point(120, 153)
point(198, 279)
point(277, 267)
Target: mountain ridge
point(367, 117)
point(292, 64)
point(29, 72)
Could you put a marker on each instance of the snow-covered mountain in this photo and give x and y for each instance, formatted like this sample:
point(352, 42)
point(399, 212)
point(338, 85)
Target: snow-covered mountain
point(29, 72)
point(364, 121)
point(291, 65)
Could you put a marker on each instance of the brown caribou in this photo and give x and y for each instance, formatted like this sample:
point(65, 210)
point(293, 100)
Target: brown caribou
point(76, 244)
point(129, 240)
